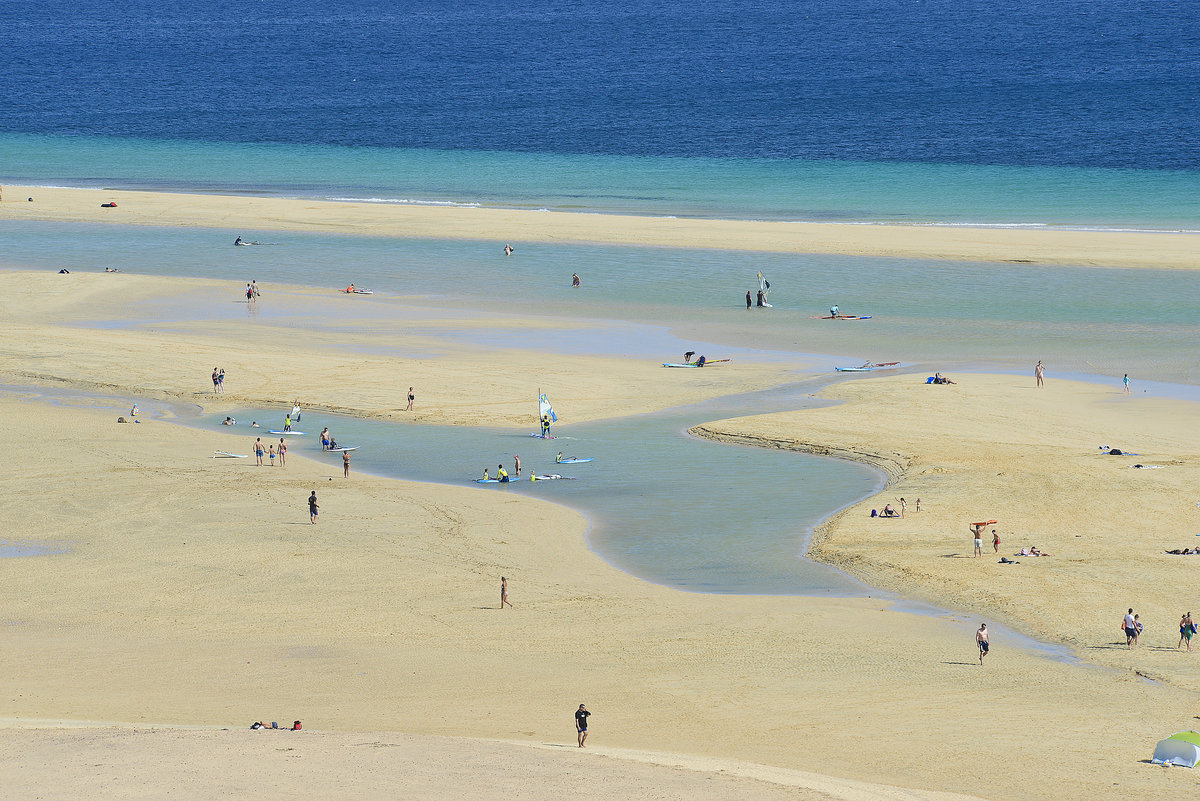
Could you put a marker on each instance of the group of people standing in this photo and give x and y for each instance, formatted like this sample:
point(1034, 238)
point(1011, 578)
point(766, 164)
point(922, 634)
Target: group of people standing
point(1131, 624)
point(262, 449)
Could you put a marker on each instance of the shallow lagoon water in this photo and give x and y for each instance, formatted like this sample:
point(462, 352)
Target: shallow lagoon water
point(942, 314)
point(664, 506)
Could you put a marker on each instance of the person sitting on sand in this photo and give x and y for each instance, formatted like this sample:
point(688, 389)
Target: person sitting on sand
point(889, 511)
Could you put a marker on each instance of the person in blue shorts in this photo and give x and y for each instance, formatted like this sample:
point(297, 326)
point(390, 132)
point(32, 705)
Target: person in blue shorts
point(581, 716)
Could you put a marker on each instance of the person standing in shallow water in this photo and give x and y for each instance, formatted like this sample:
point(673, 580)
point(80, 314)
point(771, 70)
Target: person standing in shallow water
point(749, 300)
point(1039, 372)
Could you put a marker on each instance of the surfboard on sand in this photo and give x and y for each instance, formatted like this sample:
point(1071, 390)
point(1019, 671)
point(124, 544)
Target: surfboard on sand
point(226, 455)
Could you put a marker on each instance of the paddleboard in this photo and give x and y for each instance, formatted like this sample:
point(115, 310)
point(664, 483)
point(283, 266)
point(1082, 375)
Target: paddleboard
point(359, 291)
point(551, 477)
point(575, 461)
point(844, 317)
point(342, 450)
point(224, 455)
point(539, 436)
point(285, 433)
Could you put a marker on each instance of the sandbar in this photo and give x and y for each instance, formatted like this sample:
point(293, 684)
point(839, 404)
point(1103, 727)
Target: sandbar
point(1150, 249)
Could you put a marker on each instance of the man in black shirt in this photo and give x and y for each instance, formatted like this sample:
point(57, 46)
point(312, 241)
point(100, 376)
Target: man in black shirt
point(581, 716)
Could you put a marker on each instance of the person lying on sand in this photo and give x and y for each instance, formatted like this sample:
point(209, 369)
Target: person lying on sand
point(1032, 551)
point(1184, 551)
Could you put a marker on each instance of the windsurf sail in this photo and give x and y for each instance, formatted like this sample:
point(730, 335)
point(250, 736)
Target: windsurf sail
point(545, 408)
point(764, 286)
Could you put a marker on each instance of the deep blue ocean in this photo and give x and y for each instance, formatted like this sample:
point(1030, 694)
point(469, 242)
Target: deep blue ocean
point(1057, 111)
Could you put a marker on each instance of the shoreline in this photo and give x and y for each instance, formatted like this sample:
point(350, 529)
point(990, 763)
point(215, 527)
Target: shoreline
point(1082, 248)
point(843, 540)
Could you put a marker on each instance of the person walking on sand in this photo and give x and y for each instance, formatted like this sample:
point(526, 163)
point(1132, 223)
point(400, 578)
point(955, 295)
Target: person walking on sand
point(345, 464)
point(581, 716)
point(903, 507)
point(216, 383)
point(1039, 372)
point(271, 454)
point(504, 593)
point(918, 505)
point(977, 533)
point(1129, 623)
point(411, 398)
point(282, 453)
point(981, 639)
point(517, 465)
point(313, 508)
point(1125, 381)
point(258, 450)
point(221, 380)
point(1186, 629)
point(995, 541)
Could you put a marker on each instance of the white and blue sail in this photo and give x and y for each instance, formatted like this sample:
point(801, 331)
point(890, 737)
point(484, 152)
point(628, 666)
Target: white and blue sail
point(544, 408)
point(764, 288)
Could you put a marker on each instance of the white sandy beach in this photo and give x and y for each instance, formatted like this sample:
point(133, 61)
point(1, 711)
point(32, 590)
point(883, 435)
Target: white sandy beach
point(193, 591)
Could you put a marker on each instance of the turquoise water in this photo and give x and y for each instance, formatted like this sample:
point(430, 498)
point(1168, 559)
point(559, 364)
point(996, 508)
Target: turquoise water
point(940, 315)
point(808, 190)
